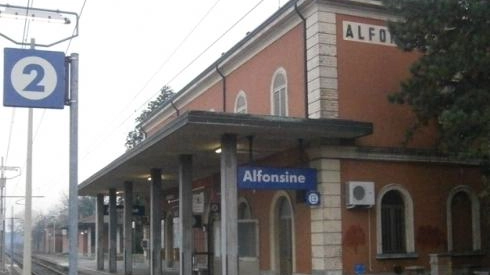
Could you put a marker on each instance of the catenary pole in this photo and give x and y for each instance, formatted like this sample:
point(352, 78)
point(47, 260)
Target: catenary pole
point(12, 240)
point(73, 192)
point(28, 201)
point(2, 214)
point(26, 269)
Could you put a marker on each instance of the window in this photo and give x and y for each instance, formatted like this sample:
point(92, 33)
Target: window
point(241, 103)
point(464, 234)
point(247, 238)
point(247, 231)
point(244, 210)
point(394, 222)
point(279, 93)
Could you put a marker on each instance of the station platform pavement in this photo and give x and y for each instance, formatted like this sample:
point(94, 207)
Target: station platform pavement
point(87, 266)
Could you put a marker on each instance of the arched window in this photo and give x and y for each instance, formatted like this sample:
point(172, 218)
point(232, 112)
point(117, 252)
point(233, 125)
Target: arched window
point(241, 103)
point(393, 222)
point(463, 207)
point(248, 241)
point(394, 219)
point(279, 93)
point(244, 212)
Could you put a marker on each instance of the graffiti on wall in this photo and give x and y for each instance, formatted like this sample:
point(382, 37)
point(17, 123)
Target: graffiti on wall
point(354, 237)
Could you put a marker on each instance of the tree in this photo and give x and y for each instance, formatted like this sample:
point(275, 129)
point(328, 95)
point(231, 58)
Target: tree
point(86, 206)
point(134, 138)
point(449, 84)
point(137, 135)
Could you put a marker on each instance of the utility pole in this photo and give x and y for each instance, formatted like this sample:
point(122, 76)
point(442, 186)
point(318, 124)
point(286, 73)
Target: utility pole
point(12, 240)
point(3, 181)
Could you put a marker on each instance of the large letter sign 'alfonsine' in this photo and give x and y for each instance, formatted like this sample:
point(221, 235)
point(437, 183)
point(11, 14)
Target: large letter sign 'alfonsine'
point(34, 79)
point(254, 177)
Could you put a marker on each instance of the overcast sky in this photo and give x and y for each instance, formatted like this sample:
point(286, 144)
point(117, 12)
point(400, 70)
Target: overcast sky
point(127, 53)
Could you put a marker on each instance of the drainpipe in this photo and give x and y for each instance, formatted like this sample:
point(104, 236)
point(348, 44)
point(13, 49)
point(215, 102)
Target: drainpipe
point(224, 86)
point(177, 111)
point(305, 71)
point(143, 132)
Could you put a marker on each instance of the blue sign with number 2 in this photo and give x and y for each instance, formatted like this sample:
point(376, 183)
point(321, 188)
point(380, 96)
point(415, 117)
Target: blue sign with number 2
point(34, 79)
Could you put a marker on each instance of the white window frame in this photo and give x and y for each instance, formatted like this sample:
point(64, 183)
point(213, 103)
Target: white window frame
point(280, 71)
point(241, 109)
point(409, 224)
point(475, 216)
point(256, 228)
point(249, 219)
point(241, 201)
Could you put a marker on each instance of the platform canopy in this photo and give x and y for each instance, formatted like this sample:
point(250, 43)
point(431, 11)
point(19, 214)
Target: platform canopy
point(198, 133)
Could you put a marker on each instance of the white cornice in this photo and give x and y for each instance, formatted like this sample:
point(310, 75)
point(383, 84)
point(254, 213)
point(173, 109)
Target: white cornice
point(385, 154)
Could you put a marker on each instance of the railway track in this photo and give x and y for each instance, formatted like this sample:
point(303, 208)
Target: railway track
point(42, 266)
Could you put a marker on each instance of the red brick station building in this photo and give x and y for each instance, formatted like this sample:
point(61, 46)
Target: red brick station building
point(285, 157)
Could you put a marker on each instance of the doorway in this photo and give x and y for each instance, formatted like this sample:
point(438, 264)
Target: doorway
point(284, 240)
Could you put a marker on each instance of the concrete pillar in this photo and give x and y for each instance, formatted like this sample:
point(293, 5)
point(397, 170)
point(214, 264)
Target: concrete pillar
point(118, 240)
point(441, 264)
point(229, 219)
point(89, 241)
point(185, 208)
point(46, 241)
point(112, 231)
point(155, 222)
point(99, 232)
point(326, 235)
point(127, 228)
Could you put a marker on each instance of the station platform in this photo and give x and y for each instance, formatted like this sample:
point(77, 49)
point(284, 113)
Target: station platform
point(87, 265)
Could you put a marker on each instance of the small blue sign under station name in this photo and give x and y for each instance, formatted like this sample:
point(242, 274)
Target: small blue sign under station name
point(256, 177)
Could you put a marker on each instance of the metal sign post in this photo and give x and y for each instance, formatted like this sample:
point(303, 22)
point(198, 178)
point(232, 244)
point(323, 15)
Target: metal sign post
point(73, 192)
point(36, 79)
point(27, 259)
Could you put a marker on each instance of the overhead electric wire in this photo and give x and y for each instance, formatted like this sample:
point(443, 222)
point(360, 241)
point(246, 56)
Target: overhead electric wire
point(12, 119)
point(162, 65)
point(165, 62)
point(24, 39)
point(75, 28)
point(66, 52)
point(39, 125)
point(26, 22)
point(205, 50)
point(25, 33)
point(185, 68)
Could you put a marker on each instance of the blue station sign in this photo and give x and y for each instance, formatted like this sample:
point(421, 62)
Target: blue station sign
point(256, 177)
point(34, 79)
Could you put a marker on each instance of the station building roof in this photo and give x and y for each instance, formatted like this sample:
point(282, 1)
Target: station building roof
point(199, 133)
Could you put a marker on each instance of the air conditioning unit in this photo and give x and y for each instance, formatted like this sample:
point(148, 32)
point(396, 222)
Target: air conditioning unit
point(359, 194)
